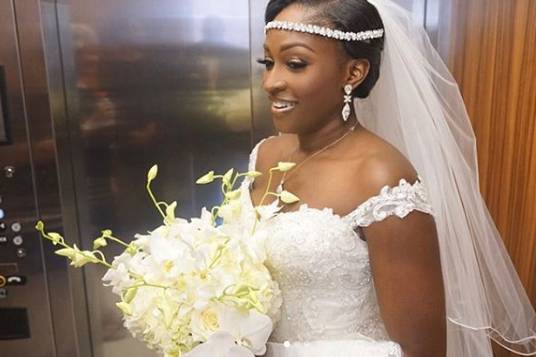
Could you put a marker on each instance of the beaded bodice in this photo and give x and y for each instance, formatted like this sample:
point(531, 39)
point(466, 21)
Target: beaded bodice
point(322, 265)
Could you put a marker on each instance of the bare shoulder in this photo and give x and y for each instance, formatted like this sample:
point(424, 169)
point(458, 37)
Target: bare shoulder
point(382, 164)
point(402, 250)
point(272, 150)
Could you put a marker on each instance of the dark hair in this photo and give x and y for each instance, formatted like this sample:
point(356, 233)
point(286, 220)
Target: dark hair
point(344, 15)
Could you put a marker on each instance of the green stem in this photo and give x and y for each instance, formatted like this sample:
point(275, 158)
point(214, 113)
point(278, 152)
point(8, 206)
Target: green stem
point(214, 213)
point(150, 285)
point(224, 192)
point(148, 187)
point(100, 261)
point(118, 241)
point(268, 185)
point(103, 258)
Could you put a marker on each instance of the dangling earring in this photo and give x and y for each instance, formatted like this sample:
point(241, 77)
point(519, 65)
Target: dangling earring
point(347, 100)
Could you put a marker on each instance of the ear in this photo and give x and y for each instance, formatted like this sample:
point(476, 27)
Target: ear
point(356, 71)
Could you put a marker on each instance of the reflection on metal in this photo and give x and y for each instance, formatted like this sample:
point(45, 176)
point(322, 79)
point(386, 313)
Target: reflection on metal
point(146, 84)
point(262, 117)
point(24, 180)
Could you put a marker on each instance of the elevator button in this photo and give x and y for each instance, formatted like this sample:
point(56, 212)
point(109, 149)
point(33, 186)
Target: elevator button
point(3, 281)
point(2, 214)
point(15, 280)
point(17, 240)
point(16, 227)
point(21, 252)
point(3, 226)
point(9, 171)
point(3, 239)
point(3, 293)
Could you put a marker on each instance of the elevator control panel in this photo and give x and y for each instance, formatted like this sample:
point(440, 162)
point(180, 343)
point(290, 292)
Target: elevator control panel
point(13, 251)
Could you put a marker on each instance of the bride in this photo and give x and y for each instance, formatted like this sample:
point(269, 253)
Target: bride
point(391, 250)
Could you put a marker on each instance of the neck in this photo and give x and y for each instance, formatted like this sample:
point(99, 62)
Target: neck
point(310, 142)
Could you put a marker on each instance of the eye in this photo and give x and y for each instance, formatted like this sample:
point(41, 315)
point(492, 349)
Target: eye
point(268, 63)
point(296, 64)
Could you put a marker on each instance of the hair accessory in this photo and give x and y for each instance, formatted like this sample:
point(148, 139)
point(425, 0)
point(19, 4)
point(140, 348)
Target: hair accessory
point(323, 31)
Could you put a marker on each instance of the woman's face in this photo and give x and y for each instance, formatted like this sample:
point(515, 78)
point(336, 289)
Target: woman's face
point(304, 78)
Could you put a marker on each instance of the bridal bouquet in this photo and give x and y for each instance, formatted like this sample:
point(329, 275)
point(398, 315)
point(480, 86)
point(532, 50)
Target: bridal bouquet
point(194, 288)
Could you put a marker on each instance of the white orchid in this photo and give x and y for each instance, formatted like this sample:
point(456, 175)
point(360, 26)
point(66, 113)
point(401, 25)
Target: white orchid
point(233, 332)
point(250, 329)
point(220, 344)
point(194, 288)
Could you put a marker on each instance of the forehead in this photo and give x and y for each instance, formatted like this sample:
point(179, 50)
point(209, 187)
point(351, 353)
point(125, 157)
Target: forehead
point(275, 39)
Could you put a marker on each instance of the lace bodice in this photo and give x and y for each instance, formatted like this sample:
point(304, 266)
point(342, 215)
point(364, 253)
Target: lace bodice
point(322, 265)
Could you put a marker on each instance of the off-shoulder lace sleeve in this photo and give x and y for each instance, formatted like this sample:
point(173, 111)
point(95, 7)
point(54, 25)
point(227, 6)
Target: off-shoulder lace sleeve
point(253, 158)
point(399, 200)
point(253, 155)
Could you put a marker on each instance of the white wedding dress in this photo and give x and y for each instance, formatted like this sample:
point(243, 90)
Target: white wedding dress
point(322, 267)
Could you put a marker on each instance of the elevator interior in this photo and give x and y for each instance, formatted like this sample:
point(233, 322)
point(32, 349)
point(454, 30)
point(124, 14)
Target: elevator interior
point(93, 93)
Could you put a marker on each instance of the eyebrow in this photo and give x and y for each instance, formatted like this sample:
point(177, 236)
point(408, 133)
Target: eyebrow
point(290, 45)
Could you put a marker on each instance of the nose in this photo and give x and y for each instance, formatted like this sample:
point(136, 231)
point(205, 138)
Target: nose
point(272, 83)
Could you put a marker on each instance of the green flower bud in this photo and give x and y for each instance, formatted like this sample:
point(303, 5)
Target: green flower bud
point(207, 178)
point(99, 242)
point(55, 237)
point(253, 174)
point(130, 295)
point(40, 226)
point(285, 166)
point(66, 252)
point(288, 197)
point(232, 194)
point(132, 250)
point(152, 173)
point(227, 177)
point(170, 213)
point(125, 307)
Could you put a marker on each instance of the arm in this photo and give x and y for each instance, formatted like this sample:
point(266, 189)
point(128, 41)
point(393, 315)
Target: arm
point(406, 268)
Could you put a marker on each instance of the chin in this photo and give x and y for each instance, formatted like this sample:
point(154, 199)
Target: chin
point(284, 129)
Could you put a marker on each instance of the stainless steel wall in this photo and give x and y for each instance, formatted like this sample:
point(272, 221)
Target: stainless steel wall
point(146, 84)
point(98, 92)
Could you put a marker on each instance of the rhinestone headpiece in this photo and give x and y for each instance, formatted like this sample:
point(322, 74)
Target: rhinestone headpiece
point(323, 31)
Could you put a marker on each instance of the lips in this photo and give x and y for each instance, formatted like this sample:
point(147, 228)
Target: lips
point(282, 106)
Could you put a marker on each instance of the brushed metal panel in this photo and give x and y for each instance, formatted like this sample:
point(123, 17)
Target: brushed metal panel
point(145, 84)
point(70, 316)
point(19, 193)
point(262, 117)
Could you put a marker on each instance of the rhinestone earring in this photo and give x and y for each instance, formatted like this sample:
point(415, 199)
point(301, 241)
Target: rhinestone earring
point(347, 100)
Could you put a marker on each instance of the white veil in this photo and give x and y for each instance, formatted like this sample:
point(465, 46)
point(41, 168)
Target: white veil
point(416, 105)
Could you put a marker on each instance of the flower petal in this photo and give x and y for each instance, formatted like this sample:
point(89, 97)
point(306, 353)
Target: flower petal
point(220, 344)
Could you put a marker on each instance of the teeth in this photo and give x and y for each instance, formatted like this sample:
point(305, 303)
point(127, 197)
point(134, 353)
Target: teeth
point(283, 105)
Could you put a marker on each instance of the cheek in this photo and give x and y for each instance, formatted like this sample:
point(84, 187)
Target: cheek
point(320, 90)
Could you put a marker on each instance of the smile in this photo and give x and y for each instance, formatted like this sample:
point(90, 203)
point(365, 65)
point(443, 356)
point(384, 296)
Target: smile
point(281, 106)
